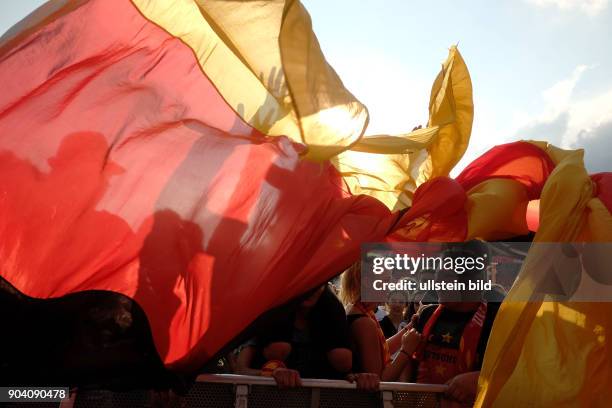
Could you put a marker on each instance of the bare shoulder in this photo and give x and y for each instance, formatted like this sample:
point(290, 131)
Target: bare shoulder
point(363, 324)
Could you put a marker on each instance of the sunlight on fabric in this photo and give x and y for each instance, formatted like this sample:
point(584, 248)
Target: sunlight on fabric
point(564, 312)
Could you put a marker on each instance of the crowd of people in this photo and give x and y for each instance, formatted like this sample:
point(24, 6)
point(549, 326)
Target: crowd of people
point(437, 339)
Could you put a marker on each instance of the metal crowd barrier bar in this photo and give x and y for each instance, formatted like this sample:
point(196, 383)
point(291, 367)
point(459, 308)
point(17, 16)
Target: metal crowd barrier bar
point(326, 393)
point(243, 391)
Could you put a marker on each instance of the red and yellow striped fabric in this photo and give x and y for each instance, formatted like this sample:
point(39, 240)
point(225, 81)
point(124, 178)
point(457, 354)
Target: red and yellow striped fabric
point(195, 154)
point(488, 200)
point(123, 168)
point(540, 353)
point(544, 352)
point(177, 152)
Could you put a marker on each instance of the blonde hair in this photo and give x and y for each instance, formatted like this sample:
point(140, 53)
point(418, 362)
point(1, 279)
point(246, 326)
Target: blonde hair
point(350, 285)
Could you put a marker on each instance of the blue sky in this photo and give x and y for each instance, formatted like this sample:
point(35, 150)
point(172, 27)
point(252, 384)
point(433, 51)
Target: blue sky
point(541, 69)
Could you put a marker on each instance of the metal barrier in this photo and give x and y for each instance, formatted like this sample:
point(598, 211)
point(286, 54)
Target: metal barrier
point(242, 391)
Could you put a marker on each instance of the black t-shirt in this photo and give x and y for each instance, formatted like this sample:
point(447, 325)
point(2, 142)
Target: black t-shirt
point(326, 330)
point(387, 327)
point(449, 328)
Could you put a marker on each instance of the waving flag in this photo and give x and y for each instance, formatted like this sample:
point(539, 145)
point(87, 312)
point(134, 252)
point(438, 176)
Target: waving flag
point(545, 352)
point(390, 168)
point(190, 155)
point(542, 352)
point(176, 152)
point(488, 200)
point(123, 168)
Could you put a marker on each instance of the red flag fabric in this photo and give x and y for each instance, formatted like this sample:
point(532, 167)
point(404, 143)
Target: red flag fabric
point(437, 214)
point(440, 205)
point(123, 169)
point(518, 161)
point(603, 191)
point(603, 182)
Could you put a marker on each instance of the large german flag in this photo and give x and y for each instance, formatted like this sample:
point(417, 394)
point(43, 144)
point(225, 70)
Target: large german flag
point(178, 153)
point(124, 168)
point(202, 159)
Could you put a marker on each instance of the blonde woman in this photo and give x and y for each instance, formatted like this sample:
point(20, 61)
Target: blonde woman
point(371, 351)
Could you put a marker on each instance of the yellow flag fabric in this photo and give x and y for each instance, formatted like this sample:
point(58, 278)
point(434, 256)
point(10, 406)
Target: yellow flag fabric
point(266, 63)
point(414, 158)
point(391, 178)
point(265, 60)
point(496, 210)
point(451, 108)
point(544, 353)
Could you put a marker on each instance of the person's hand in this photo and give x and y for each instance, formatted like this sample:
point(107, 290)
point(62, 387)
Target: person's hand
point(412, 323)
point(462, 387)
point(410, 340)
point(365, 381)
point(286, 378)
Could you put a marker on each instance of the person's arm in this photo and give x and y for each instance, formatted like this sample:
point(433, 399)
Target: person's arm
point(284, 377)
point(363, 331)
point(341, 359)
point(243, 361)
point(394, 342)
point(393, 370)
point(406, 374)
point(409, 342)
point(278, 350)
point(463, 387)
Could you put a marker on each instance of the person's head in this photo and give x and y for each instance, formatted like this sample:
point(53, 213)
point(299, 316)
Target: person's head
point(350, 285)
point(469, 261)
point(396, 302)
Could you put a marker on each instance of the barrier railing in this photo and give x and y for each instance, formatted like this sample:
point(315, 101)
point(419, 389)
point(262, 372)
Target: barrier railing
point(242, 391)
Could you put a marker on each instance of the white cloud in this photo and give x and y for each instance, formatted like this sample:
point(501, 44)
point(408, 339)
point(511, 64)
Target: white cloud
point(558, 97)
point(551, 123)
point(572, 122)
point(589, 7)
